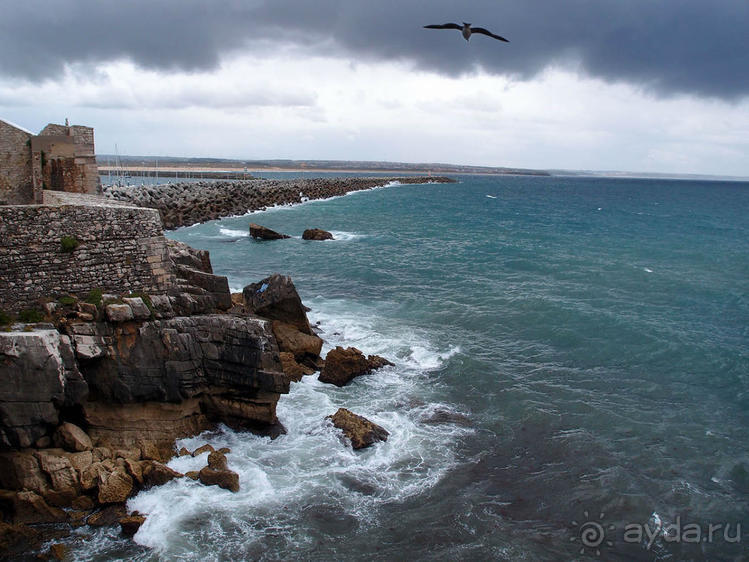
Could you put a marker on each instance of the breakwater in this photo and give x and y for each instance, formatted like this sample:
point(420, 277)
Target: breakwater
point(183, 204)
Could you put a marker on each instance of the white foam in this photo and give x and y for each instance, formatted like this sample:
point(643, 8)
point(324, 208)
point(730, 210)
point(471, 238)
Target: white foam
point(311, 467)
point(340, 235)
point(234, 233)
point(647, 270)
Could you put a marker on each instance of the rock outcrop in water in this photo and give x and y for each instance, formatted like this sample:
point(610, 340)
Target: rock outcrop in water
point(264, 233)
point(183, 204)
point(343, 365)
point(316, 234)
point(359, 430)
point(92, 402)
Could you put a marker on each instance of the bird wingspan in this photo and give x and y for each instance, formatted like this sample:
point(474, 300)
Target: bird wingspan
point(489, 33)
point(444, 26)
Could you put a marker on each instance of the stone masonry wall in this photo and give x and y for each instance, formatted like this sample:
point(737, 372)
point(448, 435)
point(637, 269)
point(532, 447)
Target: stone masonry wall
point(15, 166)
point(122, 249)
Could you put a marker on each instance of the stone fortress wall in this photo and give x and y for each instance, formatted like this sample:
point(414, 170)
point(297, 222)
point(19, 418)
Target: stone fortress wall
point(16, 184)
point(60, 158)
point(122, 249)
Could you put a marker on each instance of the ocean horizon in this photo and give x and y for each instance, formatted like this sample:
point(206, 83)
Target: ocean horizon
point(571, 379)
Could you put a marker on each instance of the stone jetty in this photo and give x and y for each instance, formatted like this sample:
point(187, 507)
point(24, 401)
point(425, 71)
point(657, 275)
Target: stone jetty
point(186, 203)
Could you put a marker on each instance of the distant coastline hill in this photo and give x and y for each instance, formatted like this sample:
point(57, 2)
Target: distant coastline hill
point(107, 161)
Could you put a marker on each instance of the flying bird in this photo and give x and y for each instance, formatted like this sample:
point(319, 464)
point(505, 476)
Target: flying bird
point(466, 30)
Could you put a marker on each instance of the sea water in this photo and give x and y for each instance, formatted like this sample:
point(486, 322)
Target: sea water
point(571, 380)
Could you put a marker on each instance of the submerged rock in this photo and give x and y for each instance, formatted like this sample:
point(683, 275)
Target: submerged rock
point(343, 365)
point(316, 234)
point(263, 233)
point(360, 431)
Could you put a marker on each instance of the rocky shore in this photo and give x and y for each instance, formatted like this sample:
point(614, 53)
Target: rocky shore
point(94, 395)
point(187, 203)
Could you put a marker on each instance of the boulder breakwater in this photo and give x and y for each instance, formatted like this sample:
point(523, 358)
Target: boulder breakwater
point(187, 203)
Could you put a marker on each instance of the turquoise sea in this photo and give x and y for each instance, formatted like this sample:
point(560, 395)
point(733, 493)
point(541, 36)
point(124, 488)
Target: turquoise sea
point(571, 380)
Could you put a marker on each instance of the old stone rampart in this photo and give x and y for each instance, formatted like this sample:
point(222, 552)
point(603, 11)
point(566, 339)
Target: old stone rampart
point(47, 251)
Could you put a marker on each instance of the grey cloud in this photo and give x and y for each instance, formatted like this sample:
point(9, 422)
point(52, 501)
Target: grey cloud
point(667, 46)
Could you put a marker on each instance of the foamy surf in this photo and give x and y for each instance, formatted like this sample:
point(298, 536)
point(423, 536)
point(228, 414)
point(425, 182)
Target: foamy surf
point(234, 233)
point(287, 485)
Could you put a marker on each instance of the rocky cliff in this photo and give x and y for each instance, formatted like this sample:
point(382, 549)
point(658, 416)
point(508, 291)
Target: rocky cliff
point(92, 400)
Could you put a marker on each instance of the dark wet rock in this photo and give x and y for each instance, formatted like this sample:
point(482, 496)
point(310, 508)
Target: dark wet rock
point(316, 234)
point(343, 365)
point(29, 507)
point(263, 233)
point(130, 524)
point(226, 479)
point(16, 540)
point(107, 516)
point(291, 368)
point(359, 430)
point(444, 416)
point(58, 551)
point(276, 298)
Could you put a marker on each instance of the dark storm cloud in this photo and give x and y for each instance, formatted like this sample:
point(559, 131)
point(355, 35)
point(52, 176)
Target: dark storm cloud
point(668, 46)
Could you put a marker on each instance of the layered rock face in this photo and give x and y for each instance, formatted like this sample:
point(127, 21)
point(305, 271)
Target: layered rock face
point(142, 369)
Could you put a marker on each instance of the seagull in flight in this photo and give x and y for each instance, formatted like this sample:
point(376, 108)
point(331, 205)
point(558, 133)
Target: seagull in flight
point(466, 30)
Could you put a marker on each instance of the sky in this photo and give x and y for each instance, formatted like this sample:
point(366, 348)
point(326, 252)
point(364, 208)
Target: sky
point(632, 85)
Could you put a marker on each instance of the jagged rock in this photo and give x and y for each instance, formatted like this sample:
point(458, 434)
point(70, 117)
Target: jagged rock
point(291, 368)
point(119, 313)
point(157, 474)
point(135, 470)
point(217, 461)
point(139, 308)
point(375, 362)
point(29, 507)
point(217, 286)
point(20, 471)
point(17, 539)
point(226, 479)
point(224, 450)
point(114, 487)
point(193, 474)
point(184, 452)
point(263, 233)
point(63, 477)
point(343, 365)
point(316, 234)
point(358, 429)
point(58, 551)
point(107, 516)
point(131, 524)
point(72, 438)
point(207, 448)
point(38, 376)
point(182, 254)
point(83, 503)
point(89, 347)
point(302, 346)
point(276, 298)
